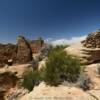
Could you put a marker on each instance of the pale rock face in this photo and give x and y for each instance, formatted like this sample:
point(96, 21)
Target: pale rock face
point(41, 65)
point(86, 55)
point(88, 50)
point(18, 69)
point(92, 72)
point(44, 92)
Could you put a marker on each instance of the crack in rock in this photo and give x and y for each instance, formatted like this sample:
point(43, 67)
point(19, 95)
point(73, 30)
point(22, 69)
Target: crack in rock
point(93, 96)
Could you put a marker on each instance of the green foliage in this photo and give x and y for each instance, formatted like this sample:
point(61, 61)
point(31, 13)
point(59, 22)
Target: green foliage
point(73, 68)
point(41, 40)
point(61, 64)
point(51, 75)
point(57, 49)
point(30, 79)
point(61, 47)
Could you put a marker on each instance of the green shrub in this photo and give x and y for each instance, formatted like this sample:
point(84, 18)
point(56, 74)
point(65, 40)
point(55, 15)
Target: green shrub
point(57, 49)
point(51, 75)
point(73, 68)
point(61, 64)
point(30, 79)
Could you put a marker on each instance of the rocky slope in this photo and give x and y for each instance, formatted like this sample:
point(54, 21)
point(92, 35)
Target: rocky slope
point(19, 53)
point(88, 50)
point(10, 78)
point(65, 92)
point(7, 81)
point(86, 55)
point(7, 52)
point(44, 92)
point(92, 40)
point(89, 54)
point(15, 59)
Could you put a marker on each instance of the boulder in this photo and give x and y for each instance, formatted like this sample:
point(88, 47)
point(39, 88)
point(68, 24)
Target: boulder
point(24, 53)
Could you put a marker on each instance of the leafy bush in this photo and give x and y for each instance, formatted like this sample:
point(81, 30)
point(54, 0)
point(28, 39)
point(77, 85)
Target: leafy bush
point(73, 68)
point(57, 48)
point(51, 75)
point(30, 79)
point(59, 65)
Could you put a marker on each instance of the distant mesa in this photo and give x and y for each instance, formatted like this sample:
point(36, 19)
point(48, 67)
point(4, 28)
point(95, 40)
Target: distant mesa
point(21, 52)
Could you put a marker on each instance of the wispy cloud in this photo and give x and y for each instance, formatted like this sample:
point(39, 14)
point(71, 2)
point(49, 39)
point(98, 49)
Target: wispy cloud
point(64, 41)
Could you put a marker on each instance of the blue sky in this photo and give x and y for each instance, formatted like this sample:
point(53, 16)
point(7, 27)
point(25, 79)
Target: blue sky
point(55, 19)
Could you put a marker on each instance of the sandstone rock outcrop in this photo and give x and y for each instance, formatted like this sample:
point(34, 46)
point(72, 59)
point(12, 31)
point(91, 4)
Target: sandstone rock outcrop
point(19, 53)
point(10, 81)
point(7, 81)
point(16, 93)
point(88, 50)
point(86, 55)
point(24, 53)
point(92, 40)
point(7, 51)
point(44, 92)
point(35, 45)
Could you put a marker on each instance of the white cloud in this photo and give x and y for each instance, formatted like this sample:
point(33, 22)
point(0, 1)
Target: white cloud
point(64, 41)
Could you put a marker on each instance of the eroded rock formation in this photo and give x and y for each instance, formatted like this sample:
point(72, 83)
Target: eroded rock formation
point(7, 81)
point(36, 45)
point(7, 52)
point(20, 53)
point(92, 40)
point(24, 53)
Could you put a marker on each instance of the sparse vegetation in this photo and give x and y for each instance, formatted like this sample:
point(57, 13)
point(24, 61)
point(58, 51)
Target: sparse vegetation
point(99, 69)
point(40, 40)
point(84, 82)
point(30, 79)
point(57, 48)
point(60, 64)
point(60, 67)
